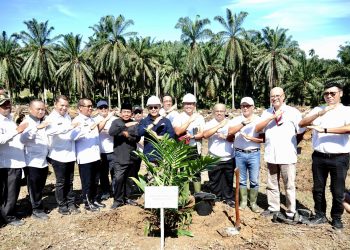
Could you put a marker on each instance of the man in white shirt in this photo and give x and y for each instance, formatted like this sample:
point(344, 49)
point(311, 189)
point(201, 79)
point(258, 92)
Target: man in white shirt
point(104, 120)
point(219, 145)
point(247, 152)
point(11, 163)
point(280, 125)
point(62, 157)
point(189, 126)
point(168, 110)
point(36, 147)
point(88, 154)
point(331, 145)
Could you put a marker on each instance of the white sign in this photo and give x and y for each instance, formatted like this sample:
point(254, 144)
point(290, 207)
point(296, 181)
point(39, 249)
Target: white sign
point(161, 196)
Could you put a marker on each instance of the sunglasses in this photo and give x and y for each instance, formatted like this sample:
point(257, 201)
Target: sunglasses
point(103, 107)
point(246, 106)
point(137, 112)
point(87, 106)
point(275, 96)
point(153, 107)
point(332, 93)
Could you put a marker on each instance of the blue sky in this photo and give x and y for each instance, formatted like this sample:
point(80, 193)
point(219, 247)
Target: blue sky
point(322, 25)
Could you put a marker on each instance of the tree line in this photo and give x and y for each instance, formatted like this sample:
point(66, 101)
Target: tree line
point(217, 67)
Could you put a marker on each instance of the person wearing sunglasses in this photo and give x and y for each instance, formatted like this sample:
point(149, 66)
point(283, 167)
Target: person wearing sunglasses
point(104, 120)
point(156, 124)
point(279, 123)
point(331, 146)
point(247, 152)
point(12, 162)
point(88, 154)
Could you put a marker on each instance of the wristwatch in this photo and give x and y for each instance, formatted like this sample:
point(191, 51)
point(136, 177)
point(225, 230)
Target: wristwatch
point(243, 123)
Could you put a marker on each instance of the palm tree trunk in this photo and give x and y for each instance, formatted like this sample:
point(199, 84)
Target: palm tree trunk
point(142, 102)
point(108, 90)
point(233, 76)
point(157, 82)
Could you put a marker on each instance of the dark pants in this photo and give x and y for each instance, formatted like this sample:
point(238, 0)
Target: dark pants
point(36, 179)
point(103, 172)
point(87, 173)
point(337, 167)
point(121, 174)
point(64, 172)
point(221, 179)
point(131, 187)
point(10, 185)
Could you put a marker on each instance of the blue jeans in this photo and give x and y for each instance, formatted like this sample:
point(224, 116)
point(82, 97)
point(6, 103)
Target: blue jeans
point(248, 163)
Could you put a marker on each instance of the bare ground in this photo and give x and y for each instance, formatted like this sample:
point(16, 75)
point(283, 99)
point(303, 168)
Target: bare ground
point(123, 228)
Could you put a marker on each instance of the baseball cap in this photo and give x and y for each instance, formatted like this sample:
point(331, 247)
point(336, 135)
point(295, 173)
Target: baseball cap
point(153, 100)
point(101, 103)
point(4, 98)
point(189, 98)
point(136, 108)
point(247, 100)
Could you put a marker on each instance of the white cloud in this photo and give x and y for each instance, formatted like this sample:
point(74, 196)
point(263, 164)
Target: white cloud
point(325, 47)
point(64, 10)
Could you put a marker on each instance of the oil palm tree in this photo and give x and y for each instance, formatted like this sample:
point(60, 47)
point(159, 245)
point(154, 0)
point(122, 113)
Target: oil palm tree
point(235, 45)
point(109, 49)
point(10, 62)
point(274, 54)
point(40, 64)
point(74, 73)
point(192, 33)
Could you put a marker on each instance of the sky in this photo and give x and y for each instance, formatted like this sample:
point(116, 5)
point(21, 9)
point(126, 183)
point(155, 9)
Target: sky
point(321, 25)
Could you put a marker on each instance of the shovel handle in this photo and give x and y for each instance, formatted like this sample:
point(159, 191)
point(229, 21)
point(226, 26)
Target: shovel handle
point(238, 220)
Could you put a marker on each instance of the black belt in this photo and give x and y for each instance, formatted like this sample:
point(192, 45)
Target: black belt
point(329, 155)
point(248, 150)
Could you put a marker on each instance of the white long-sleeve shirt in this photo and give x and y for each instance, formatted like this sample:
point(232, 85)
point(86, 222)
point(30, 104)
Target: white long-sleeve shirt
point(87, 142)
point(106, 141)
point(61, 136)
point(11, 149)
point(36, 144)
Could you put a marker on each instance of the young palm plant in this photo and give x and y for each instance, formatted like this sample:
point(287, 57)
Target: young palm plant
point(177, 165)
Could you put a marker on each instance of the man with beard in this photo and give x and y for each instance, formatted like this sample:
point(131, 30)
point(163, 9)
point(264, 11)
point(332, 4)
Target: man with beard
point(125, 135)
point(11, 162)
point(331, 145)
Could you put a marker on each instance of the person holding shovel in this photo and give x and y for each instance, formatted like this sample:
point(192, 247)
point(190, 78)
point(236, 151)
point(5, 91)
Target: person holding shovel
point(247, 153)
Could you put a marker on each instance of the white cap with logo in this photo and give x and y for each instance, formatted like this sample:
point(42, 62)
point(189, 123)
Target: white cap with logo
point(189, 98)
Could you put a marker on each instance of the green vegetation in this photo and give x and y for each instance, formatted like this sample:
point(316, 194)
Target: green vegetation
point(117, 64)
point(177, 166)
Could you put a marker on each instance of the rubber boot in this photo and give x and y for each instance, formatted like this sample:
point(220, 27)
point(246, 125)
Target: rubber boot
point(253, 195)
point(243, 198)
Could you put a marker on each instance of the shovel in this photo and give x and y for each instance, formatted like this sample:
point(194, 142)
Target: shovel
point(231, 231)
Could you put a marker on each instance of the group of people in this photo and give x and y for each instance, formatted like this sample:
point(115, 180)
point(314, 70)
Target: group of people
point(106, 144)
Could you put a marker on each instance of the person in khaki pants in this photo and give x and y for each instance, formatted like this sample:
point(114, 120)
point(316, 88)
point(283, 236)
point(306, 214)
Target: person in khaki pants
point(280, 125)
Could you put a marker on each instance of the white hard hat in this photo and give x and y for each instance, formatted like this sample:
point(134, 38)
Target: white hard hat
point(153, 100)
point(247, 100)
point(189, 98)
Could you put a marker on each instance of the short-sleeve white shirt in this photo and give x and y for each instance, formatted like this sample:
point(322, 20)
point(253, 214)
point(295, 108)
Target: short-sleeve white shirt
point(197, 123)
point(280, 141)
point(218, 146)
point(328, 142)
point(240, 141)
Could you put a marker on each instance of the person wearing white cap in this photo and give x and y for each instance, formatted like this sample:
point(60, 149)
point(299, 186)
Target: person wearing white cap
point(280, 125)
point(156, 123)
point(11, 163)
point(220, 145)
point(247, 152)
point(104, 121)
point(189, 126)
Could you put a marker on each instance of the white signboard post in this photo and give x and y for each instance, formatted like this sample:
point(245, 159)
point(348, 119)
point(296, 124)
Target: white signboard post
point(161, 197)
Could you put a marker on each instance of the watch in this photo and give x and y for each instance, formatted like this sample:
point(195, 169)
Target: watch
point(243, 123)
point(325, 130)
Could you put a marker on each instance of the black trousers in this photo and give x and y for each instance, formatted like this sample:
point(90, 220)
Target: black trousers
point(64, 172)
point(121, 174)
point(221, 180)
point(337, 167)
point(87, 174)
point(36, 179)
point(10, 185)
point(103, 172)
point(131, 187)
